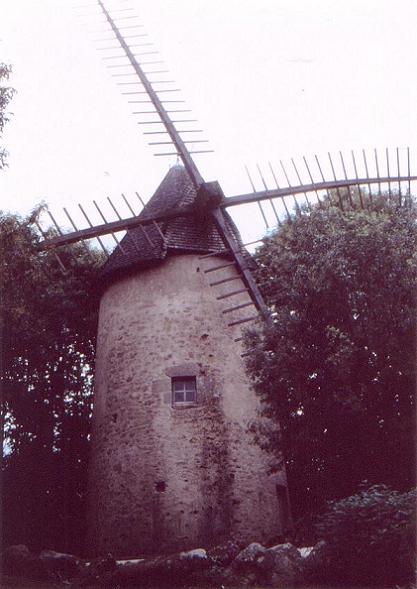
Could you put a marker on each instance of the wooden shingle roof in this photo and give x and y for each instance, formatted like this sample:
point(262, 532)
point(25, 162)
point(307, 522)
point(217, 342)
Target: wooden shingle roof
point(146, 247)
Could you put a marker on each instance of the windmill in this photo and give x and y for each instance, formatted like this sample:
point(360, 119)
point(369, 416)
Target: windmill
point(174, 462)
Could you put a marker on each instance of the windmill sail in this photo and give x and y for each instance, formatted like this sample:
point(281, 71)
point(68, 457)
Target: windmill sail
point(390, 182)
point(160, 111)
point(314, 182)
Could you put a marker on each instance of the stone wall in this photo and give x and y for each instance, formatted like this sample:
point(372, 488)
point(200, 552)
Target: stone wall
point(164, 477)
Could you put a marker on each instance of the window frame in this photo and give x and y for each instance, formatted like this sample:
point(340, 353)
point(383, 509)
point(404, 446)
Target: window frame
point(175, 381)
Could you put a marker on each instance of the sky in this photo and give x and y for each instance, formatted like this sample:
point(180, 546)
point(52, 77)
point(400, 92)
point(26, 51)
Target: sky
point(266, 80)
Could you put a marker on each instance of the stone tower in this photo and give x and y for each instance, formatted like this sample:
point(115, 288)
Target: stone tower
point(174, 461)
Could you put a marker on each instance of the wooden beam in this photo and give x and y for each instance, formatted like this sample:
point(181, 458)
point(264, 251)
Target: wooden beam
point(239, 321)
point(237, 307)
point(215, 268)
point(240, 199)
point(114, 226)
point(231, 243)
point(179, 144)
point(232, 294)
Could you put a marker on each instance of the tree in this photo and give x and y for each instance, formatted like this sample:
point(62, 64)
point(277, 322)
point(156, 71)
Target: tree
point(6, 94)
point(337, 368)
point(48, 326)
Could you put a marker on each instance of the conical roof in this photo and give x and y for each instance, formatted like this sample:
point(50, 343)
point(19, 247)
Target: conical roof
point(147, 246)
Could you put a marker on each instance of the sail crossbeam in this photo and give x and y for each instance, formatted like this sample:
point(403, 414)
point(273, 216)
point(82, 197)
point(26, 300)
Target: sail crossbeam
point(180, 147)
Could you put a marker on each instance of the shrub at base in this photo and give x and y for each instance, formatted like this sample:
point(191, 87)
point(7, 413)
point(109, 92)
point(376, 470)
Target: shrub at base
point(369, 540)
point(19, 561)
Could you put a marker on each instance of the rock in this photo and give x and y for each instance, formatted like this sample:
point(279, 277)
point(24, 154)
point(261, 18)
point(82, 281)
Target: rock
point(247, 567)
point(279, 566)
point(316, 553)
point(224, 554)
point(19, 561)
point(305, 551)
point(315, 563)
point(100, 570)
point(14, 557)
point(250, 557)
point(197, 553)
point(62, 566)
point(129, 561)
point(175, 569)
point(282, 566)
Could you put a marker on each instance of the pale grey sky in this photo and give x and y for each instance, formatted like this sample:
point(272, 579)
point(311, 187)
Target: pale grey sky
point(266, 79)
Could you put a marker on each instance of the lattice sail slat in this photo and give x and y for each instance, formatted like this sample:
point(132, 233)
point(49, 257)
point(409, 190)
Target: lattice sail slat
point(279, 190)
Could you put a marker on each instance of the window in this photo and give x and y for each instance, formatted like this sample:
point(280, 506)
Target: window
point(184, 390)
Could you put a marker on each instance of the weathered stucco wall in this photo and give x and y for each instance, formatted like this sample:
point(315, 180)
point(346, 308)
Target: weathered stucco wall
point(163, 477)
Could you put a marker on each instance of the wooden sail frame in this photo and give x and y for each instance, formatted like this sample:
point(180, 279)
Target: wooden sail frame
point(215, 201)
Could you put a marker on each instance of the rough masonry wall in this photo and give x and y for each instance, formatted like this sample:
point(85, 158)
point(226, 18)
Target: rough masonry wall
point(166, 477)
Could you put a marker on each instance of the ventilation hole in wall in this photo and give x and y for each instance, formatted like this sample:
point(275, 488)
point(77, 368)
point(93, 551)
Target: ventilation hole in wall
point(195, 512)
point(114, 417)
point(211, 355)
point(204, 336)
point(198, 269)
point(160, 486)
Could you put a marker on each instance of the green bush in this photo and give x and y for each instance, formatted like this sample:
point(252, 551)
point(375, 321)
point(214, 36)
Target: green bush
point(369, 540)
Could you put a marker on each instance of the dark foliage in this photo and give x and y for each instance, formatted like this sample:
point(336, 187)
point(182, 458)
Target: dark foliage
point(48, 326)
point(337, 369)
point(369, 540)
point(6, 94)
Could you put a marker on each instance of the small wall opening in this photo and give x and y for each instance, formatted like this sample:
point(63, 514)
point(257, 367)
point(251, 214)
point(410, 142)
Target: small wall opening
point(160, 486)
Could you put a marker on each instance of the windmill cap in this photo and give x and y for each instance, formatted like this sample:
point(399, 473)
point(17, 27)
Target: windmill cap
point(147, 246)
